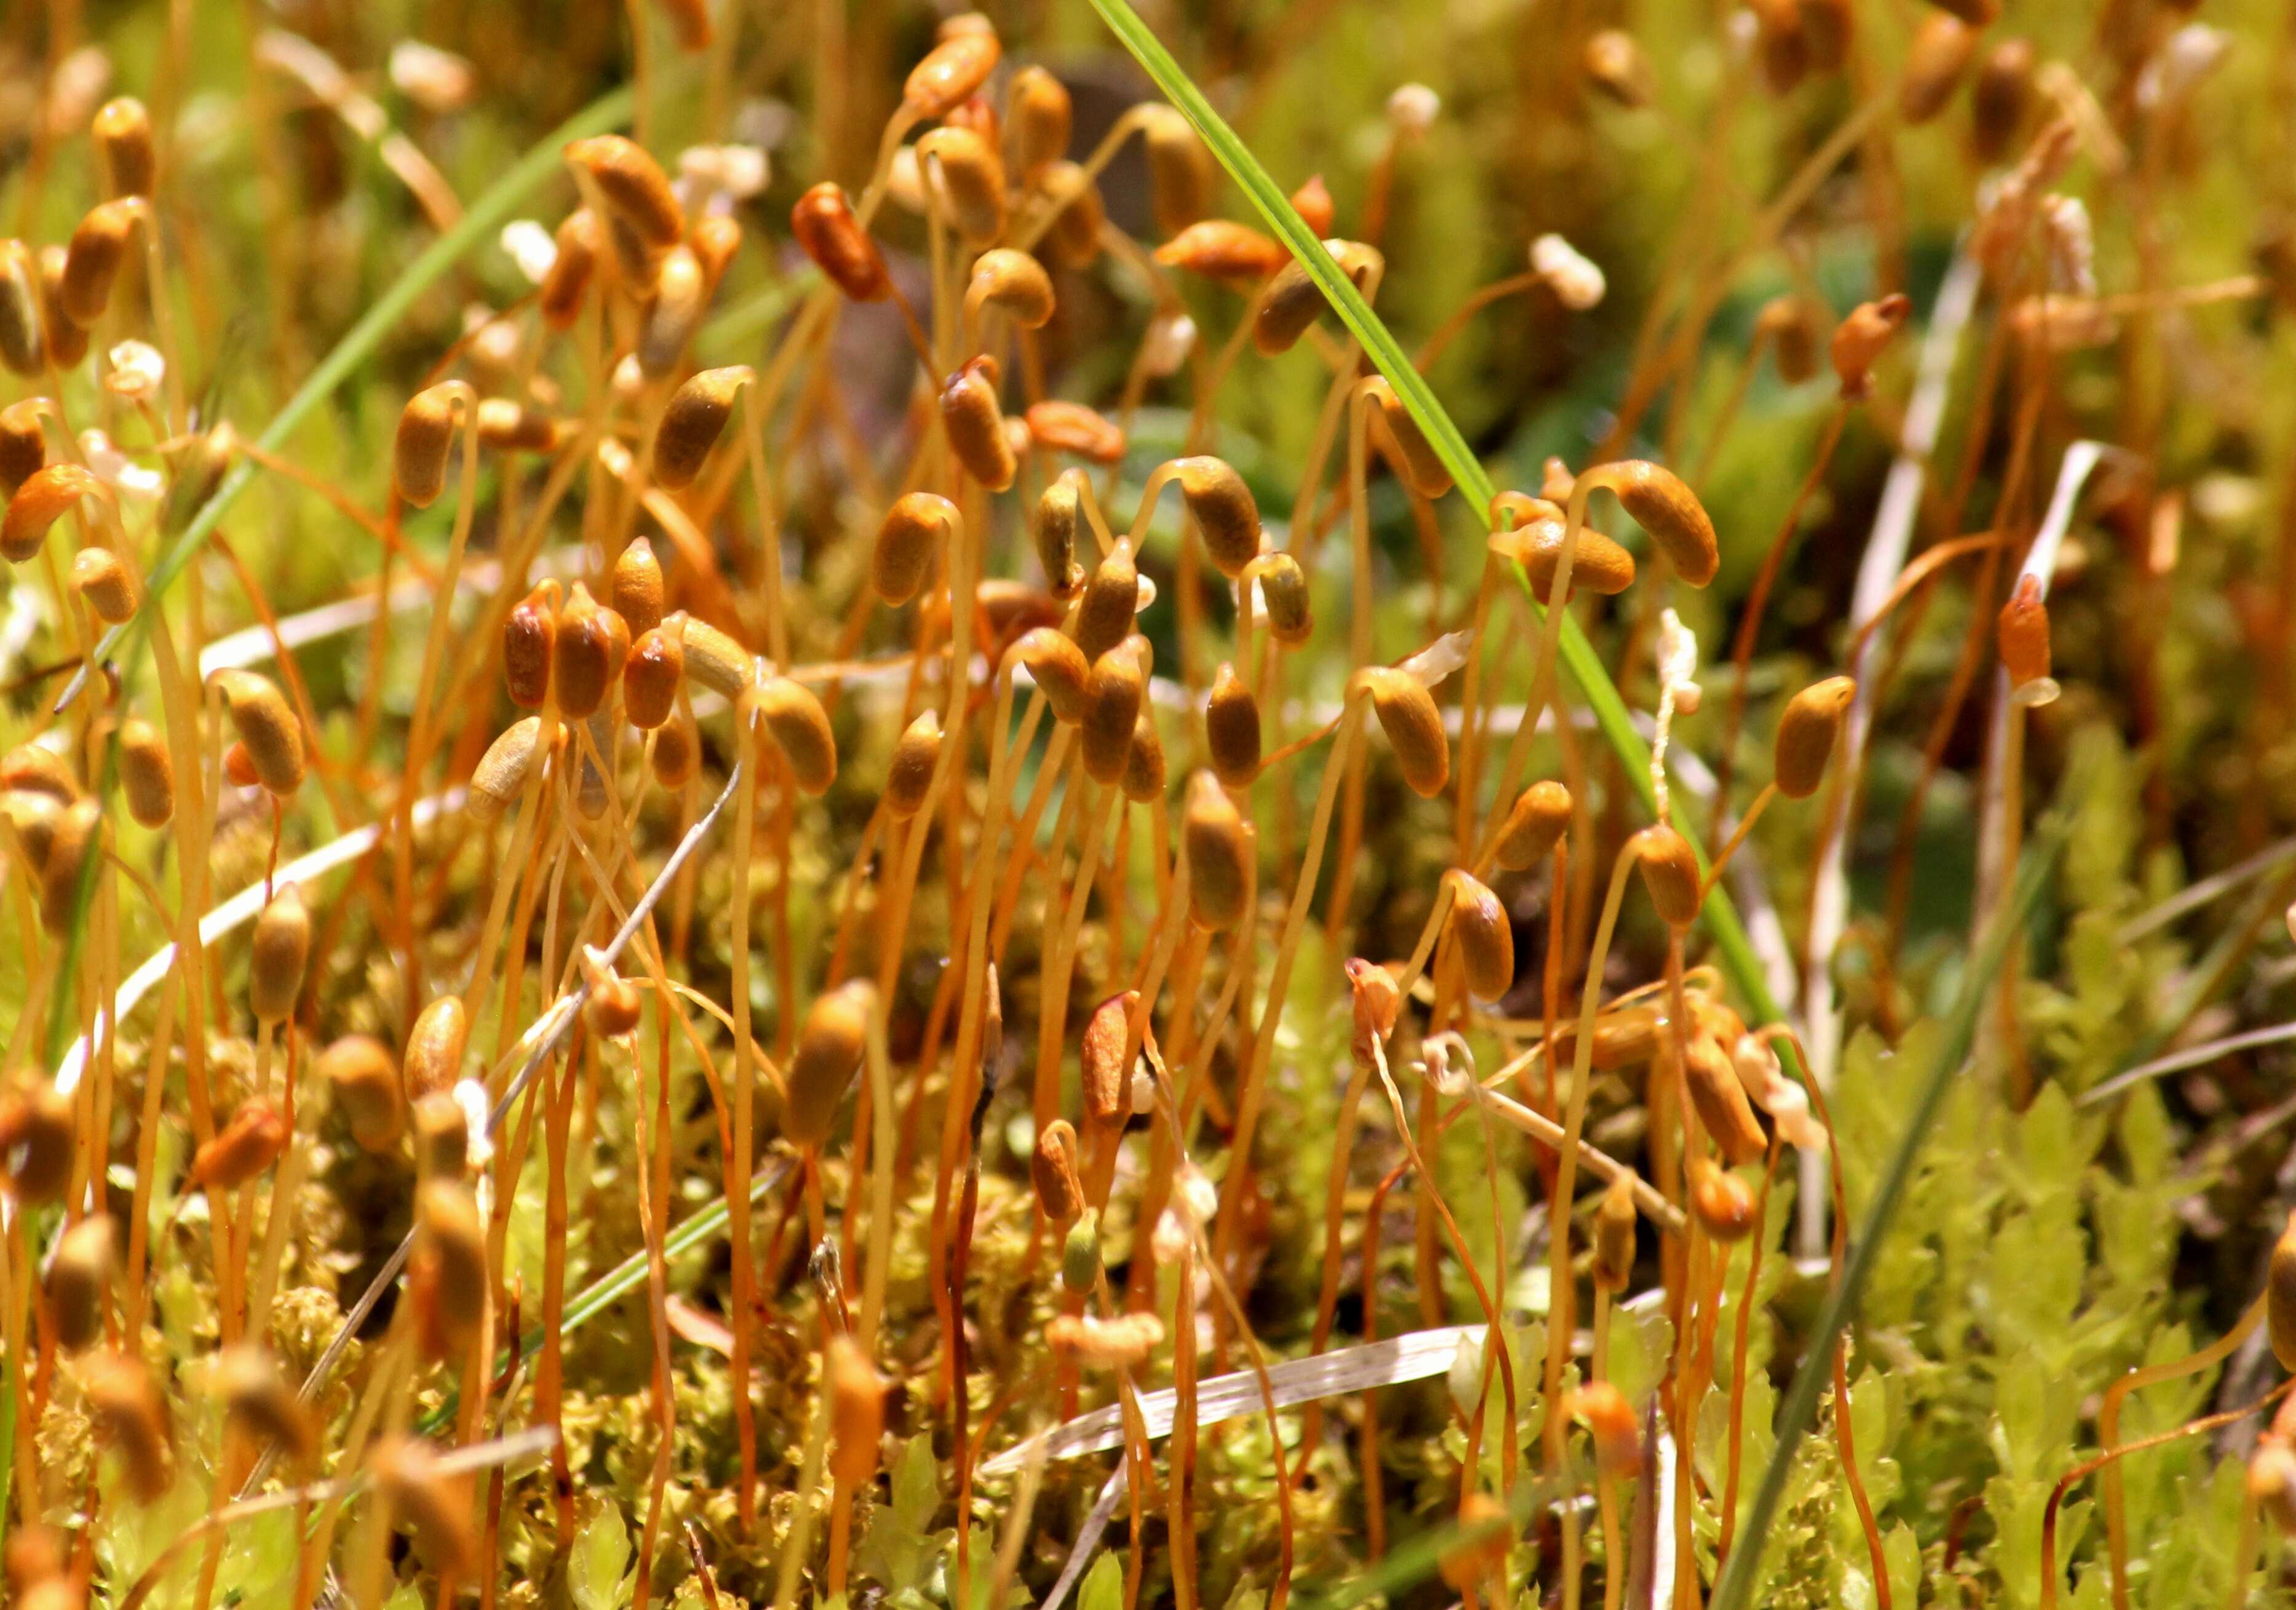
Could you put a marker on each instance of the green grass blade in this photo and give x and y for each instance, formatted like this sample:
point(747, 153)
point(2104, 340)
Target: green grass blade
point(1578, 657)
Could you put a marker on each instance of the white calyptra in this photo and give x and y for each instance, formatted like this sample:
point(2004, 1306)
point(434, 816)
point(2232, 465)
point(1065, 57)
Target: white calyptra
point(1575, 279)
point(530, 246)
point(1412, 109)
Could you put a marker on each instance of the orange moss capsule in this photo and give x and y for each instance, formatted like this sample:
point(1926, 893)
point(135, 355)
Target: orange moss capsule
point(1780, 45)
point(46, 496)
point(949, 73)
point(243, 1148)
point(239, 767)
point(1482, 935)
point(1062, 427)
point(1407, 715)
point(975, 424)
point(1615, 64)
point(1052, 1169)
point(99, 245)
point(147, 776)
point(1145, 775)
point(1598, 564)
point(1117, 1343)
point(1294, 300)
point(502, 770)
point(1938, 55)
point(571, 269)
point(78, 830)
point(1791, 327)
point(1614, 1236)
point(1059, 668)
point(1283, 590)
point(913, 533)
point(66, 343)
point(23, 345)
point(636, 588)
point(828, 232)
point(1719, 1095)
point(1233, 254)
point(447, 1276)
point(1218, 851)
point(614, 1008)
point(857, 1412)
point(23, 445)
point(1601, 1407)
point(1663, 505)
point(1072, 240)
point(279, 956)
point(800, 730)
point(830, 1044)
point(99, 577)
point(442, 1136)
point(260, 1405)
point(715, 660)
point(1422, 468)
point(1038, 117)
point(1669, 870)
point(917, 755)
point(39, 1141)
point(1053, 527)
point(130, 1416)
point(587, 648)
point(122, 130)
point(79, 1281)
point(434, 1048)
point(434, 1506)
point(31, 768)
point(969, 176)
point(1859, 338)
point(1107, 1081)
point(651, 676)
point(364, 1079)
point(2023, 630)
point(426, 431)
point(1489, 1533)
point(1180, 171)
point(530, 641)
point(1014, 284)
point(676, 752)
point(1008, 608)
point(1224, 510)
point(635, 190)
point(1535, 824)
point(692, 422)
point(1113, 695)
point(1807, 729)
point(1313, 202)
point(1111, 598)
point(1232, 729)
point(1722, 1203)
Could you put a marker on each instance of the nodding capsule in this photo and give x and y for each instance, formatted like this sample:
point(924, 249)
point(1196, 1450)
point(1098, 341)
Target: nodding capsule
point(30, 768)
point(99, 577)
point(1663, 505)
point(99, 245)
point(1180, 171)
point(122, 130)
point(800, 730)
point(45, 497)
point(949, 73)
point(676, 298)
point(79, 1281)
point(266, 728)
point(1722, 1203)
point(830, 1044)
point(614, 1006)
point(66, 343)
point(364, 1079)
point(1859, 338)
point(650, 679)
point(530, 637)
point(1037, 116)
point(1669, 870)
point(1059, 668)
point(1218, 249)
point(1053, 530)
point(1294, 300)
point(1482, 935)
point(857, 1412)
point(1485, 1534)
point(1808, 727)
point(1062, 427)
point(79, 831)
point(1107, 1081)
point(1072, 239)
point(1283, 590)
point(913, 531)
point(1080, 1255)
point(1144, 776)
point(2001, 99)
point(1535, 824)
point(147, 776)
point(1111, 598)
point(636, 587)
point(39, 1141)
point(1615, 65)
point(502, 770)
point(1422, 469)
point(442, 1136)
point(1598, 564)
point(1791, 326)
point(975, 424)
point(715, 660)
point(1052, 1169)
point(1119, 1344)
point(1611, 1425)
point(635, 190)
point(676, 752)
point(1719, 1095)
point(130, 1416)
point(1936, 58)
point(969, 178)
point(260, 1403)
point(418, 456)
point(1614, 1236)
point(23, 445)
point(23, 346)
point(434, 1506)
point(279, 956)
point(828, 232)
point(1414, 726)
point(1224, 510)
point(586, 651)
point(715, 242)
point(916, 753)
point(1015, 284)
point(2022, 630)
point(1218, 850)
point(1113, 695)
point(243, 1148)
point(433, 1061)
point(1232, 729)
point(692, 422)
point(571, 269)
point(446, 1273)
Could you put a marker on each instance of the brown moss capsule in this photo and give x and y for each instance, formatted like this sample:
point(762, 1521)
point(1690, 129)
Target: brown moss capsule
point(243, 1148)
point(571, 269)
point(1224, 510)
point(1107, 1081)
point(1535, 824)
point(1669, 869)
point(916, 753)
point(828, 232)
point(1722, 1202)
point(98, 576)
point(1009, 608)
point(1072, 240)
point(2001, 99)
point(1482, 935)
point(949, 74)
point(78, 830)
point(30, 768)
point(636, 192)
point(147, 776)
point(1062, 427)
point(39, 1141)
point(79, 1281)
point(969, 177)
point(857, 1412)
point(1719, 1095)
point(260, 1405)
point(1422, 469)
point(2022, 630)
point(1294, 300)
point(1414, 726)
point(676, 754)
point(1662, 504)
point(913, 531)
point(1119, 1344)
point(1807, 729)
point(614, 1006)
point(130, 1417)
point(502, 770)
point(1615, 63)
point(1145, 775)
point(637, 593)
point(1936, 58)
point(279, 956)
point(1058, 668)
point(1598, 564)
point(46, 496)
point(1015, 284)
point(1053, 528)
point(830, 1044)
point(651, 676)
point(691, 423)
point(442, 1137)
point(586, 651)
point(434, 1049)
point(1780, 45)
point(1231, 253)
point(364, 1079)
point(1614, 1236)
point(1791, 326)
point(529, 639)
point(23, 446)
point(1859, 338)
point(99, 245)
point(1283, 590)
point(1052, 1168)
point(122, 130)
point(1180, 171)
point(1113, 695)
point(447, 1277)
point(1038, 117)
point(1232, 729)
point(1218, 849)
point(66, 343)
point(715, 660)
point(23, 346)
point(800, 730)
point(1111, 597)
point(432, 1504)
point(975, 424)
